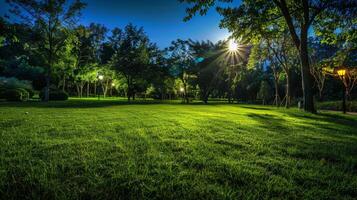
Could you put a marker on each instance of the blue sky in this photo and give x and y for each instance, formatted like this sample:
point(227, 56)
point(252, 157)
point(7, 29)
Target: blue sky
point(161, 19)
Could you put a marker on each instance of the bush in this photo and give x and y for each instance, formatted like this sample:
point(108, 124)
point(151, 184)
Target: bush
point(16, 95)
point(14, 84)
point(55, 95)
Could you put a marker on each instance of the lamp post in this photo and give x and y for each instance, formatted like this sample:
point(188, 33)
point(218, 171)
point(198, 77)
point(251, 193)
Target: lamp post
point(182, 90)
point(100, 78)
point(342, 74)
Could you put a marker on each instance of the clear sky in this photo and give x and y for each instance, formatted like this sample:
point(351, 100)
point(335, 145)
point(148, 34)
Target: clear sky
point(161, 19)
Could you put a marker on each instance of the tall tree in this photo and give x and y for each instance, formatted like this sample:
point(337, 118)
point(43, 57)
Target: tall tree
point(209, 66)
point(50, 18)
point(84, 56)
point(182, 61)
point(131, 57)
point(280, 46)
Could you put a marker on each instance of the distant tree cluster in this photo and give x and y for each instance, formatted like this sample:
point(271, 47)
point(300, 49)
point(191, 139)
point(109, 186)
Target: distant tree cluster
point(281, 24)
point(276, 60)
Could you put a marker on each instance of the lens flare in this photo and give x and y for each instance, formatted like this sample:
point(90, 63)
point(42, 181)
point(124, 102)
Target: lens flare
point(232, 45)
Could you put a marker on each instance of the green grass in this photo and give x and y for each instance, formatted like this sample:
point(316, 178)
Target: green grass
point(114, 150)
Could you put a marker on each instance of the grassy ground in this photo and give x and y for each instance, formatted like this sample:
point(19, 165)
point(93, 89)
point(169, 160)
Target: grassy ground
point(113, 150)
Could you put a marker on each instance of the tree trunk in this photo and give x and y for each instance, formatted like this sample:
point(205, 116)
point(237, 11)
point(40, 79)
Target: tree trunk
point(301, 45)
point(81, 86)
point(185, 91)
point(78, 91)
point(48, 83)
point(95, 88)
point(276, 87)
point(305, 74)
point(288, 98)
point(47, 88)
point(87, 89)
point(129, 92)
point(64, 83)
point(128, 95)
point(105, 88)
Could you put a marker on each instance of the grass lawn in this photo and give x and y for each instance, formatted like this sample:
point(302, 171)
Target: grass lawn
point(112, 150)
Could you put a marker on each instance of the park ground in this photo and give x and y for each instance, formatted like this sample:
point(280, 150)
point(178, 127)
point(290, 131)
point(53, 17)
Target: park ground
point(88, 149)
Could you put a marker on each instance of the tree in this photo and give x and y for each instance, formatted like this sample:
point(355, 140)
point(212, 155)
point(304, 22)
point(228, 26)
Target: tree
point(252, 16)
point(321, 59)
point(280, 46)
point(131, 57)
point(264, 91)
point(63, 69)
point(84, 56)
point(209, 66)
point(97, 37)
point(182, 61)
point(108, 77)
point(50, 18)
point(158, 73)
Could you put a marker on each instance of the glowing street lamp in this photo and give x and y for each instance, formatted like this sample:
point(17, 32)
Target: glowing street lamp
point(182, 90)
point(341, 72)
point(100, 77)
point(111, 89)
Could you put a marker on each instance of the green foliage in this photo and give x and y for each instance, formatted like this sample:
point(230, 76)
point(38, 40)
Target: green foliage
point(261, 19)
point(24, 88)
point(132, 58)
point(13, 83)
point(50, 20)
point(20, 68)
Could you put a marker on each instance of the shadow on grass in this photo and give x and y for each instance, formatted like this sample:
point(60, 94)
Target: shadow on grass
point(336, 122)
point(270, 122)
point(255, 108)
point(333, 144)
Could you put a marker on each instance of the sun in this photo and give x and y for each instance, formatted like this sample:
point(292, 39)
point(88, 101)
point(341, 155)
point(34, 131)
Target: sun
point(232, 45)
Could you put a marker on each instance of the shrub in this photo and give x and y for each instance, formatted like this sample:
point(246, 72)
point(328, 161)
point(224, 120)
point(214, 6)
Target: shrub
point(55, 95)
point(16, 95)
point(14, 84)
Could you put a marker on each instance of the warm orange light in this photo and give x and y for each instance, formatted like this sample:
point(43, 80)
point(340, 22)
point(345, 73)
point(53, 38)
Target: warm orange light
point(341, 72)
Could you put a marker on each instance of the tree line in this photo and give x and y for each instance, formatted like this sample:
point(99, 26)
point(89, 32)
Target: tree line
point(276, 60)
